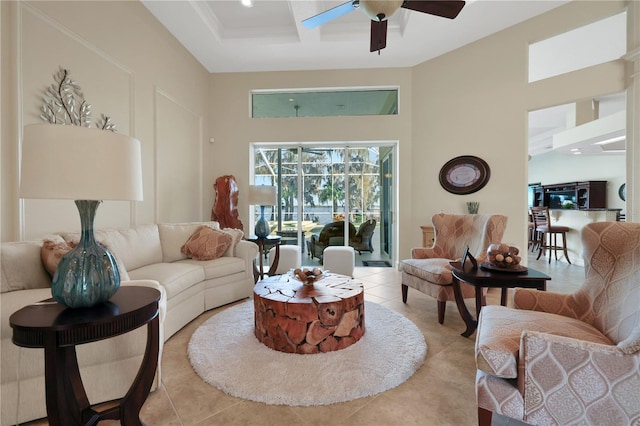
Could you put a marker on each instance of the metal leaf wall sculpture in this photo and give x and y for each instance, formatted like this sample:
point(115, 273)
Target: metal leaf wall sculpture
point(64, 103)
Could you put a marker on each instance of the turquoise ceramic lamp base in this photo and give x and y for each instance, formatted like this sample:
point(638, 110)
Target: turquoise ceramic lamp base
point(262, 226)
point(87, 275)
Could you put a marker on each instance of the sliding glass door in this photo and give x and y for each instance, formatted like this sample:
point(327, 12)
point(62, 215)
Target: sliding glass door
point(322, 184)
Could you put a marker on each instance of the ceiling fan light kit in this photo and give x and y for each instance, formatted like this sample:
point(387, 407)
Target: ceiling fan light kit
point(381, 10)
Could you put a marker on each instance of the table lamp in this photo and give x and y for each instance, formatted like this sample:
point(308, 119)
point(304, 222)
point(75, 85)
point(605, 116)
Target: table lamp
point(262, 195)
point(86, 165)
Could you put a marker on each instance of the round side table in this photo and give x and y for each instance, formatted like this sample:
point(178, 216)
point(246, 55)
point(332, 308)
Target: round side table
point(58, 330)
point(263, 245)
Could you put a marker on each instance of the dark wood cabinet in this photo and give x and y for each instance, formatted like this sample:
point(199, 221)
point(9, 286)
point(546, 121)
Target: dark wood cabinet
point(590, 194)
point(537, 195)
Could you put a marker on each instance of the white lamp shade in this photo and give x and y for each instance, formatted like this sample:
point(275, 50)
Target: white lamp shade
point(262, 195)
point(79, 163)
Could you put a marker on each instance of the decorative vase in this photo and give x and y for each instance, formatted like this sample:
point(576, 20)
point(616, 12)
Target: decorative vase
point(87, 275)
point(262, 226)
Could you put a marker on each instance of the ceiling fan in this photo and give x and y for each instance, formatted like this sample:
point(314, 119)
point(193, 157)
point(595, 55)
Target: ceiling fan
point(380, 10)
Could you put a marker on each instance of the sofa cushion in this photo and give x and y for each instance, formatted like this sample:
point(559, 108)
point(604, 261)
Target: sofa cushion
point(174, 277)
point(174, 235)
point(22, 266)
point(206, 244)
point(220, 267)
point(136, 246)
point(498, 339)
point(437, 271)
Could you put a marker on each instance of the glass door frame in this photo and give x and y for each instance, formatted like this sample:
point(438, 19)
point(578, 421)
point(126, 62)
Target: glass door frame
point(387, 216)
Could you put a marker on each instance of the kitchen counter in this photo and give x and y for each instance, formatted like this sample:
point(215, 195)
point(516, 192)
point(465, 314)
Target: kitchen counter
point(576, 220)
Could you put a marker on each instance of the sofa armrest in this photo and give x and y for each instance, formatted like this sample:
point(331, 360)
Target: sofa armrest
point(162, 304)
point(162, 314)
point(563, 375)
point(247, 251)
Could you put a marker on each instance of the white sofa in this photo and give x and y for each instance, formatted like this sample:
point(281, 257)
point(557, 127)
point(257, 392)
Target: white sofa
point(148, 255)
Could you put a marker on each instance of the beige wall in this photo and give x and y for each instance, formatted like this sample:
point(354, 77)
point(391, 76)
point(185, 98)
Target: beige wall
point(472, 101)
point(233, 130)
point(133, 71)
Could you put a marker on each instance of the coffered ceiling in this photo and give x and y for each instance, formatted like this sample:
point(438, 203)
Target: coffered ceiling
point(224, 36)
point(227, 37)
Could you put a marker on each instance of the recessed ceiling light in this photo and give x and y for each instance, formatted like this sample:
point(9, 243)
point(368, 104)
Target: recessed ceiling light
point(247, 3)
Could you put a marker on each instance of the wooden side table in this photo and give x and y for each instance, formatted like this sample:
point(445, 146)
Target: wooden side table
point(263, 244)
point(59, 329)
point(480, 278)
point(428, 236)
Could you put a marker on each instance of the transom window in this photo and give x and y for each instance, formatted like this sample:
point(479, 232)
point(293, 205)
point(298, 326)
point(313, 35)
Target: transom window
point(324, 103)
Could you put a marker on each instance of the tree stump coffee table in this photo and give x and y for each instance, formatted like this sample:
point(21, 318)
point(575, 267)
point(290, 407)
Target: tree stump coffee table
point(297, 318)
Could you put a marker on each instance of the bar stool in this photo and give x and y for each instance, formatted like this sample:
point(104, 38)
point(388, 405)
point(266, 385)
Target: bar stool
point(548, 234)
point(532, 234)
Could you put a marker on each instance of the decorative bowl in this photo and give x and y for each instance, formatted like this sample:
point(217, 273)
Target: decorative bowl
point(307, 276)
point(503, 256)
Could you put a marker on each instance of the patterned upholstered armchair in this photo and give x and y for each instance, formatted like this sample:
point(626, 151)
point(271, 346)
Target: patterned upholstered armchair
point(429, 270)
point(569, 358)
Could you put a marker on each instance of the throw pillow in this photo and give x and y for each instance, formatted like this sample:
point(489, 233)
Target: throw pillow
point(206, 244)
point(51, 253)
point(236, 235)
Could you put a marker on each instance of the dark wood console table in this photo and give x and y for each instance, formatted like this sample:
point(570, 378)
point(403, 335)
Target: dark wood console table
point(59, 329)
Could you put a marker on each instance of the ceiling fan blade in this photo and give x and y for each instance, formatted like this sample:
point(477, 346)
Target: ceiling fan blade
point(444, 8)
point(378, 35)
point(331, 14)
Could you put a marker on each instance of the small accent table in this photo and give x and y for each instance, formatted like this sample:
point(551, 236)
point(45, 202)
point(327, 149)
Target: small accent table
point(480, 278)
point(263, 244)
point(59, 329)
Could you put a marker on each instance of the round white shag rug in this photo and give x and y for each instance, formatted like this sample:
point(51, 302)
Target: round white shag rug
point(225, 353)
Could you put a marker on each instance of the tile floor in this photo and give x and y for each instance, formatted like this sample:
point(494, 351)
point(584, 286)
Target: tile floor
point(441, 392)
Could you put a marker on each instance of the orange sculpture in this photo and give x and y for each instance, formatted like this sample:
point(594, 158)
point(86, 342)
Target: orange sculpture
point(225, 206)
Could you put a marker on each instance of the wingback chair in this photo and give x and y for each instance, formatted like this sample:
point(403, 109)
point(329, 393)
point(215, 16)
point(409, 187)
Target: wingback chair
point(362, 240)
point(429, 270)
point(568, 358)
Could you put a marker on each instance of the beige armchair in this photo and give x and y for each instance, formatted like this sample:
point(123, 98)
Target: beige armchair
point(429, 270)
point(569, 358)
